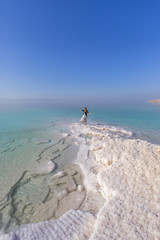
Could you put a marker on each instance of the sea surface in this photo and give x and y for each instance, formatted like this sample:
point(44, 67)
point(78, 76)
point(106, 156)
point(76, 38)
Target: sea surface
point(30, 138)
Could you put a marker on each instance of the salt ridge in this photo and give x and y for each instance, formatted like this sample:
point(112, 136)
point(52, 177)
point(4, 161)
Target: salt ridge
point(127, 173)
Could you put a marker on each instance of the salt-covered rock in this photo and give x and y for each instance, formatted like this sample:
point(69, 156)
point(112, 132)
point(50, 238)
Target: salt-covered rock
point(72, 200)
point(51, 166)
point(62, 194)
point(45, 167)
point(67, 180)
point(45, 211)
point(81, 188)
point(61, 174)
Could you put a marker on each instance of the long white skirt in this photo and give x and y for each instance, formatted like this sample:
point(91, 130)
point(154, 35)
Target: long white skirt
point(84, 119)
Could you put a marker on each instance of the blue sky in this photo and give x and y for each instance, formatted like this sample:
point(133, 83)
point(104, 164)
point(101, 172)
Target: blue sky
point(80, 49)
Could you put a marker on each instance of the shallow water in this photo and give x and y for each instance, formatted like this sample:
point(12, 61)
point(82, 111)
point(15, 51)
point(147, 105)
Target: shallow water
point(28, 142)
point(143, 120)
point(30, 139)
point(24, 135)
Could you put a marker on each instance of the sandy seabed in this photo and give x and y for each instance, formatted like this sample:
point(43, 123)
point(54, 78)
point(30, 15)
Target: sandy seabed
point(120, 198)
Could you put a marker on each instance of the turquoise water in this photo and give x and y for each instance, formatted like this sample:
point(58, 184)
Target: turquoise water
point(31, 138)
point(146, 117)
point(144, 120)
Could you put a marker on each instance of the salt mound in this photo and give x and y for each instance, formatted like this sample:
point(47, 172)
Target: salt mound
point(127, 173)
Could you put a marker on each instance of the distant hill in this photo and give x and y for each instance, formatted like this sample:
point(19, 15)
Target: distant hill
point(154, 101)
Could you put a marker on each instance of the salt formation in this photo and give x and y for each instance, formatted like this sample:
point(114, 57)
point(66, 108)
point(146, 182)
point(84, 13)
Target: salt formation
point(127, 173)
point(61, 174)
point(73, 225)
point(81, 187)
point(46, 196)
point(45, 168)
point(121, 177)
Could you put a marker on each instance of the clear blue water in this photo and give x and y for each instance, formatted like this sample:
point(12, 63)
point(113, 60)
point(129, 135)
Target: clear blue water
point(27, 134)
point(146, 117)
point(144, 120)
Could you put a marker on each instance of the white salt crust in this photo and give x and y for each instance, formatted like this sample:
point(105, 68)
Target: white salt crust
point(74, 224)
point(122, 180)
point(127, 173)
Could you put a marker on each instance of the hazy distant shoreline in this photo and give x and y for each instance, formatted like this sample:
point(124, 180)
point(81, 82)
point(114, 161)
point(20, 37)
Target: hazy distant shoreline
point(154, 101)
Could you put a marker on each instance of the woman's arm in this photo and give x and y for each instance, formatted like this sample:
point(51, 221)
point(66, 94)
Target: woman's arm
point(88, 112)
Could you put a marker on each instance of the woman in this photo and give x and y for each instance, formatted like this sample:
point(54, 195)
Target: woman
point(84, 117)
